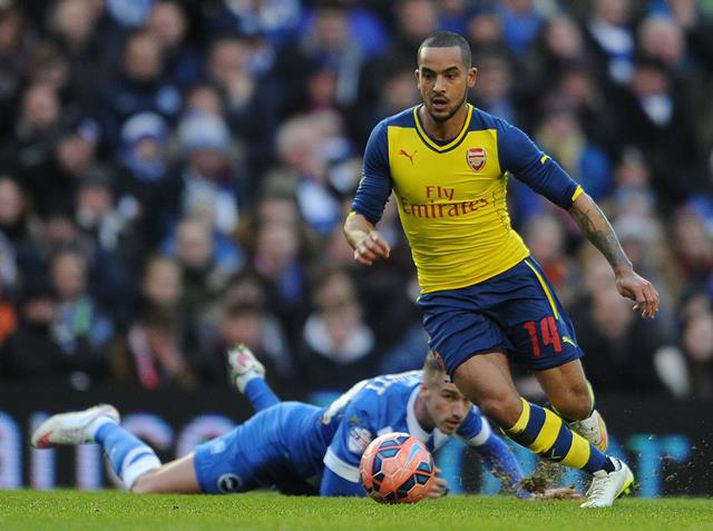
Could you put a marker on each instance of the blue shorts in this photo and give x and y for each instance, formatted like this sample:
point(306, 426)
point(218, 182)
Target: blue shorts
point(516, 312)
point(265, 451)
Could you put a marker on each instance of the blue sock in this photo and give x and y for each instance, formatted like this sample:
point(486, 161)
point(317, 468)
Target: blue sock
point(500, 460)
point(260, 394)
point(130, 457)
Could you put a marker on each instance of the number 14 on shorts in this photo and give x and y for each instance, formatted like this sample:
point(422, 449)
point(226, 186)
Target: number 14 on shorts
point(543, 333)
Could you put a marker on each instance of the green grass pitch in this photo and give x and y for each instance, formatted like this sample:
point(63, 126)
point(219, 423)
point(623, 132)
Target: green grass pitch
point(61, 509)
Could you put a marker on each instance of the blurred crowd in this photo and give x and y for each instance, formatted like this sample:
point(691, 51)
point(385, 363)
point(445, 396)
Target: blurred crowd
point(174, 176)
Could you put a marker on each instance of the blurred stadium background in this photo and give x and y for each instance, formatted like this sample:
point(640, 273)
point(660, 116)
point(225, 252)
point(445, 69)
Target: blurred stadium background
point(173, 177)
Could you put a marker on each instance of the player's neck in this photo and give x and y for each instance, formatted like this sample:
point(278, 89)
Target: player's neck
point(446, 130)
point(422, 416)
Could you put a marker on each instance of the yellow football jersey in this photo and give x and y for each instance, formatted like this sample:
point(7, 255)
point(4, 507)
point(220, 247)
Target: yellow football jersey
point(452, 196)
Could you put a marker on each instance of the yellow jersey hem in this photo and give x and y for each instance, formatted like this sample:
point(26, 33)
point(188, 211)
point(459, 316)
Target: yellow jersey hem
point(477, 280)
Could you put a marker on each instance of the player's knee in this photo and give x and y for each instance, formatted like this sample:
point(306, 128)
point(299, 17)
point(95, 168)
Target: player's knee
point(575, 404)
point(503, 410)
point(144, 484)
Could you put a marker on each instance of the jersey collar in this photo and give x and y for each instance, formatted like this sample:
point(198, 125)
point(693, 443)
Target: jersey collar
point(432, 144)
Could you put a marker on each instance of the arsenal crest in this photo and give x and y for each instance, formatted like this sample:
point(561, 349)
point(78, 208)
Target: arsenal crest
point(476, 157)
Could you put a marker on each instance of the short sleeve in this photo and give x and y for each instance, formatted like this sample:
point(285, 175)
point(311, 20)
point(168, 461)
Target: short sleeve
point(355, 432)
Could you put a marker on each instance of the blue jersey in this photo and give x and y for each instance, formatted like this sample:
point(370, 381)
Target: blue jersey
point(288, 445)
point(280, 447)
point(381, 405)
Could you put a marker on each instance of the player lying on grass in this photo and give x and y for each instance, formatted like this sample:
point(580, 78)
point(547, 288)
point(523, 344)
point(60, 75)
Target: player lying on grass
point(294, 447)
point(423, 403)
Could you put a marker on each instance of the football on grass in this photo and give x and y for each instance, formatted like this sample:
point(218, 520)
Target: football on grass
point(397, 468)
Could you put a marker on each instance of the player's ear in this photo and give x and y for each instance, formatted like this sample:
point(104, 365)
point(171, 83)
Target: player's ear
point(472, 77)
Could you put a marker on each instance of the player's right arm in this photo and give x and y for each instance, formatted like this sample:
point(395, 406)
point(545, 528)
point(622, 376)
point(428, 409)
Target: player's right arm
point(370, 199)
point(341, 462)
point(366, 241)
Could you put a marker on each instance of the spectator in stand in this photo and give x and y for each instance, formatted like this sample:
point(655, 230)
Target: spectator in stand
point(206, 172)
point(577, 85)
point(652, 118)
point(205, 98)
point(454, 14)
point(95, 213)
point(399, 92)
point(365, 26)
point(48, 65)
point(521, 24)
point(202, 276)
point(16, 222)
point(643, 237)
point(82, 330)
point(154, 354)
point(624, 353)
point(608, 31)
point(245, 318)
point(140, 85)
point(144, 170)
point(57, 232)
point(484, 28)
point(30, 145)
point(74, 157)
point(241, 68)
point(299, 145)
point(338, 347)
point(494, 92)
point(327, 47)
point(31, 353)
point(414, 21)
point(73, 26)
point(545, 237)
point(560, 46)
point(561, 135)
point(693, 245)
point(697, 343)
point(661, 37)
point(278, 253)
point(15, 49)
point(386, 298)
point(277, 19)
point(167, 23)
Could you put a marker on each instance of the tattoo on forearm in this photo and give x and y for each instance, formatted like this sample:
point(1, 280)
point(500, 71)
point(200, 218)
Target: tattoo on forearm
point(599, 231)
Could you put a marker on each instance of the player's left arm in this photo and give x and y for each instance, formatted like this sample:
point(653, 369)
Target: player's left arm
point(519, 155)
point(598, 230)
point(497, 456)
point(341, 461)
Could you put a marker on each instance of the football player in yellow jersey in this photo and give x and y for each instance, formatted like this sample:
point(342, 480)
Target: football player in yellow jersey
point(483, 297)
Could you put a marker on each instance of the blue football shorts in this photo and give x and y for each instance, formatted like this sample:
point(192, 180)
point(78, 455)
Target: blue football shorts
point(516, 312)
point(258, 453)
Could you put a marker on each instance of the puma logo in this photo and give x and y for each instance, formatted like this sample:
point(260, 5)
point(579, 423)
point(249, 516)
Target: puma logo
point(408, 155)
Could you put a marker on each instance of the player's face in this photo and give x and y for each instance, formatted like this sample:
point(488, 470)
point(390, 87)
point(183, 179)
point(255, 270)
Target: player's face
point(443, 81)
point(446, 406)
